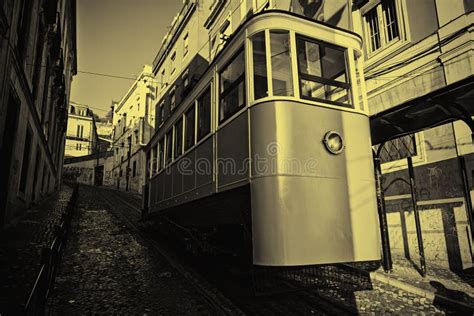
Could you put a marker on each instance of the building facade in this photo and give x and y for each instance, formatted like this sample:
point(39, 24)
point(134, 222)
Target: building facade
point(37, 62)
point(133, 121)
point(413, 50)
point(81, 135)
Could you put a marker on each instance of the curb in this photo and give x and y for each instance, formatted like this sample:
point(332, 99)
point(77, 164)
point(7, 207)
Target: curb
point(430, 295)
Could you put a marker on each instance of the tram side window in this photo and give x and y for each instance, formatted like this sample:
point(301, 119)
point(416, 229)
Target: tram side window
point(282, 80)
point(232, 87)
point(260, 83)
point(161, 148)
point(204, 114)
point(149, 165)
point(322, 72)
point(178, 142)
point(153, 155)
point(169, 147)
point(189, 133)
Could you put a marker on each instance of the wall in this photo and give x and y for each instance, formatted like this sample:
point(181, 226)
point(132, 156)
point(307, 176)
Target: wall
point(38, 93)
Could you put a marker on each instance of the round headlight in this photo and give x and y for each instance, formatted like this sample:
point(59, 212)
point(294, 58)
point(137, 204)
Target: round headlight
point(333, 142)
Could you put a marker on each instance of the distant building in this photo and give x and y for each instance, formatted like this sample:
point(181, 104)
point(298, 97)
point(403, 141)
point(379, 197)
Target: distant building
point(133, 121)
point(105, 135)
point(94, 169)
point(37, 62)
point(81, 135)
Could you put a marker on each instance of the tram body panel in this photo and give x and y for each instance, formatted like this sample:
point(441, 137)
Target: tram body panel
point(311, 206)
point(233, 152)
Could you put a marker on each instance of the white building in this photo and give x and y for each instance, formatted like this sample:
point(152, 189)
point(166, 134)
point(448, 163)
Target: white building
point(133, 121)
point(81, 134)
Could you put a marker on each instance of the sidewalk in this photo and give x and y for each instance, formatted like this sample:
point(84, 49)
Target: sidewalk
point(20, 250)
point(440, 285)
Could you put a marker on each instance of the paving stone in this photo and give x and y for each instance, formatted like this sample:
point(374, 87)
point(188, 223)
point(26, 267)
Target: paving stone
point(21, 244)
point(106, 269)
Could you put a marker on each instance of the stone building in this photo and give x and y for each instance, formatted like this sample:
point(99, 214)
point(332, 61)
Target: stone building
point(418, 70)
point(81, 136)
point(132, 126)
point(37, 62)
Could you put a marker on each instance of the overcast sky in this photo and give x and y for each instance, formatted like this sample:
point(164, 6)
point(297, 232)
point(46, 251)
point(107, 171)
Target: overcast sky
point(116, 37)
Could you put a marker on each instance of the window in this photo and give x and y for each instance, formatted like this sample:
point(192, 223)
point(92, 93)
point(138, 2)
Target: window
point(259, 66)
point(322, 72)
point(172, 61)
point(154, 156)
point(134, 169)
point(381, 25)
point(26, 159)
point(281, 63)
point(189, 134)
point(204, 114)
point(186, 44)
point(80, 131)
point(169, 147)
point(178, 139)
point(163, 74)
point(185, 79)
point(162, 112)
point(161, 158)
point(232, 87)
point(173, 99)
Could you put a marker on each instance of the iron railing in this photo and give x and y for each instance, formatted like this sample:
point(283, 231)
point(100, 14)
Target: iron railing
point(50, 261)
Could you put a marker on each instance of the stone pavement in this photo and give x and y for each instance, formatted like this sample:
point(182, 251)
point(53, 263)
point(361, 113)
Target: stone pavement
point(20, 250)
point(106, 268)
point(441, 286)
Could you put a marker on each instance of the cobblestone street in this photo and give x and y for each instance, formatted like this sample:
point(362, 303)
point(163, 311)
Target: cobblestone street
point(106, 269)
point(109, 268)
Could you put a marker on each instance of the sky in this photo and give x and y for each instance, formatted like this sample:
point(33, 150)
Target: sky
point(116, 37)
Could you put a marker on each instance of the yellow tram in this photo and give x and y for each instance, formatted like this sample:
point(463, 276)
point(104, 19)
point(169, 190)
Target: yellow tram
point(273, 142)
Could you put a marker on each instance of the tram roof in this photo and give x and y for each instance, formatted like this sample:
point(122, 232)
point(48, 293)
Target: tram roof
point(448, 104)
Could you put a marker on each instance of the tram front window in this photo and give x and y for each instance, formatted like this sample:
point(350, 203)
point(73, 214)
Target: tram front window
point(232, 87)
point(259, 66)
point(281, 63)
point(322, 72)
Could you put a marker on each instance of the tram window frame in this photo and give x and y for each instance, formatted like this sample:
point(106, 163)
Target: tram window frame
point(190, 127)
point(302, 76)
point(178, 142)
point(261, 91)
point(203, 130)
point(234, 86)
point(161, 152)
point(154, 154)
point(289, 92)
point(169, 148)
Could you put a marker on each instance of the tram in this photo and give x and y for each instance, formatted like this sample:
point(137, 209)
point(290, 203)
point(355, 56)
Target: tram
point(273, 143)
